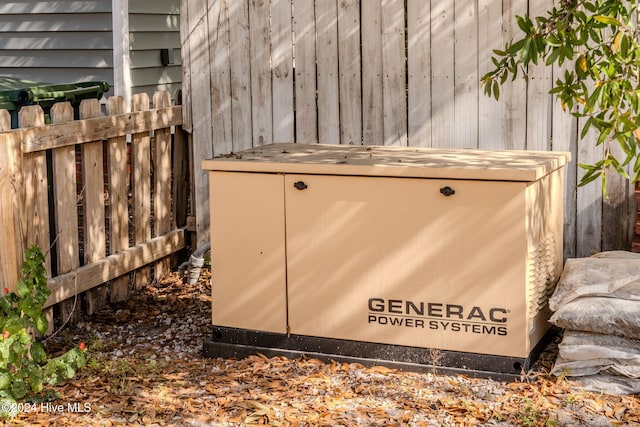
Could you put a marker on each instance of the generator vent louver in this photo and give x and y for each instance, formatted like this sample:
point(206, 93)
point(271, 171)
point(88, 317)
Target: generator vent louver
point(541, 274)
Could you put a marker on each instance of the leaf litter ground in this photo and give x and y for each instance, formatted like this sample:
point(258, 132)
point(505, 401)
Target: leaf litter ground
point(146, 368)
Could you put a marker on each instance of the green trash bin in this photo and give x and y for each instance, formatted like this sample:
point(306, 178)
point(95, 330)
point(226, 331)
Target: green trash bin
point(16, 93)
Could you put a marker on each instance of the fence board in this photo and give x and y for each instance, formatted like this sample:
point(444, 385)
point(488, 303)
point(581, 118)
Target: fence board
point(180, 187)
point(282, 74)
point(538, 97)
point(140, 188)
point(240, 79)
point(76, 132)
point(514, 104)
point(93, 204)
point(36, 214)
point(589, 201)
point(261, 89)
point(162, 183)
point(119, 211)
point(419, 73)
point(64, 204)
point(489, 35)
point(220, 75)
point(115, 265)
point(185, 53)
point(442, 75)
point(327, 78)
point(372, 108)
point(11, 249)
point(466, 30)
point(349, 64)
point(394, 73)
point(305, 72)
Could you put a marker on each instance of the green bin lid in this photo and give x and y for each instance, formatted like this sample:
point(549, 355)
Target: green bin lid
point(16, 92)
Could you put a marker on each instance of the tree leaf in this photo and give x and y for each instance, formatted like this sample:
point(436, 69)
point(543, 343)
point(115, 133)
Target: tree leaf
point(608, 20)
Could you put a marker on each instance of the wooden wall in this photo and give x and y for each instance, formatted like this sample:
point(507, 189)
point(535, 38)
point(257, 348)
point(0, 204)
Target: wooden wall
point(384, 72)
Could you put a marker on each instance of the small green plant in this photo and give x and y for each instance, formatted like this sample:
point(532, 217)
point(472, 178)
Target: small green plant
point(24, 366)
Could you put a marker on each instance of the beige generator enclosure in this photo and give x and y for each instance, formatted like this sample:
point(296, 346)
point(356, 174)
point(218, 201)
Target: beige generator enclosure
point(395, 255)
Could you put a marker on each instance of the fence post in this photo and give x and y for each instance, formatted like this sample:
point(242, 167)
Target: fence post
point(36, 196)
point(11, 250)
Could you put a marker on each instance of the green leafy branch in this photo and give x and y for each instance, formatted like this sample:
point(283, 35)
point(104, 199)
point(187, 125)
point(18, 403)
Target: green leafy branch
point(602, 88)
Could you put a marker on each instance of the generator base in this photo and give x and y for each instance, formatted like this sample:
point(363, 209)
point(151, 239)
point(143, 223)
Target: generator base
point(240, 343)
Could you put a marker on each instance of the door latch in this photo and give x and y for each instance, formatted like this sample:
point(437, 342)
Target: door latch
point(447, 191)
point(300, 185)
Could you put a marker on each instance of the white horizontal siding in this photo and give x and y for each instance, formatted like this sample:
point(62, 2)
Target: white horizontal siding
point(56, 22)
point(153, 26)
point(56, 41)
point(55, 59)
point(60, 6)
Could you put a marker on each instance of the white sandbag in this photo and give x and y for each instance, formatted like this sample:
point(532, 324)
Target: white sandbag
point(613, 276)
point(608, 316)
point(579, 368)
point(578, 345)
point(617, 254)
point(609, 384)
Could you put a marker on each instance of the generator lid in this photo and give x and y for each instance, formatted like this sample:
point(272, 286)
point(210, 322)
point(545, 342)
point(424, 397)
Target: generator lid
point(389, 161)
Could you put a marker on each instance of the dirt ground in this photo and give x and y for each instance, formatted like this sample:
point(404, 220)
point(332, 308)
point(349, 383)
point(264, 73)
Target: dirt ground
point(145, 368)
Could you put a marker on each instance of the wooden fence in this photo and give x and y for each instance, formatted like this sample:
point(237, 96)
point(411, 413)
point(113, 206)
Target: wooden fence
point(384, 72)
point(95, 194)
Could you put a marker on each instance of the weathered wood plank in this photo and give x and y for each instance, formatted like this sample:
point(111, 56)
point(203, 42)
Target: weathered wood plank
point(81, 131)
point(201, 121)
point(220, 76)
point(467, 30)
point(185, 54)
point(327, 72)
point(538, 97)
point(261, 88)
point(419, 72)
point(64, 196)
point(239, 50)
point(162, 182)
point(36, 197)
point(119, 212)
point(93, 204)
point(305, 81)
point(394, 73)
point(282, 75)
point(442, 74)
point(514, 103)
point(11, 249)
point(489, 110)
point(349, 65)
point(115, 265)
point(65, 200)
point(181, 176)
point(372, 108)
point(615, 208)
point(589, 200)
point(141, 188)
point(565, 138)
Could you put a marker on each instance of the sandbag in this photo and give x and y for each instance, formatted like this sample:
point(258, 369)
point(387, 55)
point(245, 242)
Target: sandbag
point(608, 316)
point(610, 384)
point(579, 368)
point(613, 274)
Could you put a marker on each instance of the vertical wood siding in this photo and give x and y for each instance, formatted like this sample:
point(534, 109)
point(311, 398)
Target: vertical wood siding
point(382, 72)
